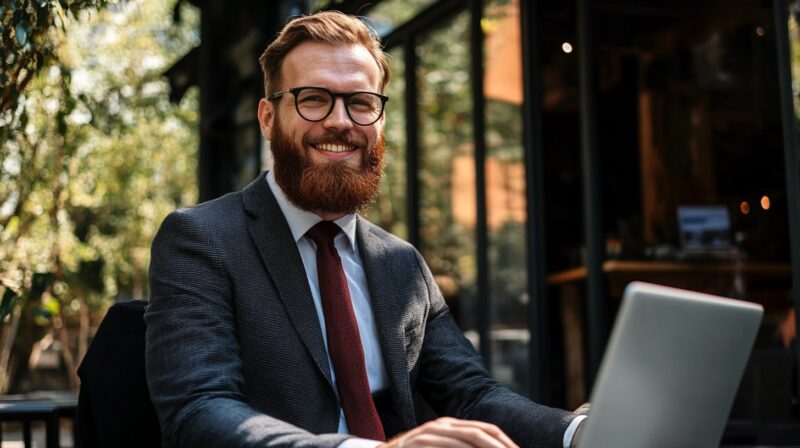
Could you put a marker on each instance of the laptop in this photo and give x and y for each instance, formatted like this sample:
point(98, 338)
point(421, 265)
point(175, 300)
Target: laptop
point(705, 232)
point(671, 370)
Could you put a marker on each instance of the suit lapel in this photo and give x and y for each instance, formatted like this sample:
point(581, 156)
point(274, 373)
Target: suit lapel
point(278, 251)
point(387, 308)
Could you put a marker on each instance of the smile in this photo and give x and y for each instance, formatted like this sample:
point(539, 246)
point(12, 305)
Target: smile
point(333, 147)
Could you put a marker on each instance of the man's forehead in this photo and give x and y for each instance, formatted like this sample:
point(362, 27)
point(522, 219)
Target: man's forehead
point(319, 60)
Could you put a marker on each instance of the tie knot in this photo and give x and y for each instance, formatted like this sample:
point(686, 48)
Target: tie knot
point(323, 233)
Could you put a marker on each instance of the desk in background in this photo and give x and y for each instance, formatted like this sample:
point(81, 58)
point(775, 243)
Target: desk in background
point(766, 283)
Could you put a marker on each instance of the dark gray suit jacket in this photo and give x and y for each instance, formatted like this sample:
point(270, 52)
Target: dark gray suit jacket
point(235, 354)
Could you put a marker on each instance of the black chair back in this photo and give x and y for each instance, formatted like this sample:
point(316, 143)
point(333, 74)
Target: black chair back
point(114, 407)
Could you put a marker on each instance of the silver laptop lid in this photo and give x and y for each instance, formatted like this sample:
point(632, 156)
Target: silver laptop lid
point(671, 370)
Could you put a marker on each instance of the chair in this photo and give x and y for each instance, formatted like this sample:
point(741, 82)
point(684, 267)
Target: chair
point(114, 407)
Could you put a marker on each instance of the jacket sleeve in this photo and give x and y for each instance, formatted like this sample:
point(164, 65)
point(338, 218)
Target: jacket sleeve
point(453, 380)
point(192, 360)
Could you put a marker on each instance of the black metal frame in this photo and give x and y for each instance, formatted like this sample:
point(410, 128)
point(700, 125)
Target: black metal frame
point(427, 20)
point(405, 36)
point(790, 148)
point(539, 309)
point(485, 298)
point(597, 322)
point(412, 140)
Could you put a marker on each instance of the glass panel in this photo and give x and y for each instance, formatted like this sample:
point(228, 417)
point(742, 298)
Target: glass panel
point(389, 14)
point(316, 5)
point(561, 136)
point(505, 193)
point(389, 208)
point(563, 191)
point(694, 192)
point(447, 166)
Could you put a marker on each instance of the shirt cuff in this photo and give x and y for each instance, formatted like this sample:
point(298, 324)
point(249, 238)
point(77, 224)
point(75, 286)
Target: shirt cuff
point(355, 442)
point(570, 432)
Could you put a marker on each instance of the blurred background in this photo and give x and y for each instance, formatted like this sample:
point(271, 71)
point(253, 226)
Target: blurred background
point(94, 155)
point(542, 155)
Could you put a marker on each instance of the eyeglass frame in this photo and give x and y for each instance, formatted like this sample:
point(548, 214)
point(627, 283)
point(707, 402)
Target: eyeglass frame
point(345, 96)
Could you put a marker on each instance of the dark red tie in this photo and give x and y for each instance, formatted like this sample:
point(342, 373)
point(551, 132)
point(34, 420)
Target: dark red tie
point(344, 342)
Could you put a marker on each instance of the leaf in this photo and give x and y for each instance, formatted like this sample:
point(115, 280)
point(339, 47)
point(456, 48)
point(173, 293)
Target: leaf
point(22, 33)
point(39, 283)
point(10, 298)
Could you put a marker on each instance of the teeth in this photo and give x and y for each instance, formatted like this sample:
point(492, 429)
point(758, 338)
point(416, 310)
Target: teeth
point(334, 148)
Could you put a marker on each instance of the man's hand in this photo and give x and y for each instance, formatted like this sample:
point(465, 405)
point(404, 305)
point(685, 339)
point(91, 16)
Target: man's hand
point(449, 432)
point(584, 409)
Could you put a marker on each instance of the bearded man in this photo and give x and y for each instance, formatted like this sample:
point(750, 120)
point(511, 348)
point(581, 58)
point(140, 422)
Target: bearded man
point(278, 316)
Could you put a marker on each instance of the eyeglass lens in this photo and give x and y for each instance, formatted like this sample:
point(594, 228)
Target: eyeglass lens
point(315, 104)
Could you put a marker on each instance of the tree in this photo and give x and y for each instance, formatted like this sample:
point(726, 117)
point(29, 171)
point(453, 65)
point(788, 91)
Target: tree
point(26, 46)
point(95, 156)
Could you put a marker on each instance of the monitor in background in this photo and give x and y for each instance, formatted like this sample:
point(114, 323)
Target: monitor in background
point(705, 230)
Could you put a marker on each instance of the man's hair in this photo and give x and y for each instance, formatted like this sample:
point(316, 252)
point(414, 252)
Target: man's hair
point(331, 27)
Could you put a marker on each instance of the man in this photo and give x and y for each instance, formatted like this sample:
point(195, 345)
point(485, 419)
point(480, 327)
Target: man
point(280, 317)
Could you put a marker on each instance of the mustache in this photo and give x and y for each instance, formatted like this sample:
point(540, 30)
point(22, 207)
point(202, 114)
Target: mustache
point(336, 137)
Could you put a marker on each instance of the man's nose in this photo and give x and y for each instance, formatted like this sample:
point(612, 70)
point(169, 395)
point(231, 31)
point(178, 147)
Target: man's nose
point(338, 118)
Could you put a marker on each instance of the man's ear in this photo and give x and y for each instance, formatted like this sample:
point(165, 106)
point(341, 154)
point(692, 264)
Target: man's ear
point(266, 117)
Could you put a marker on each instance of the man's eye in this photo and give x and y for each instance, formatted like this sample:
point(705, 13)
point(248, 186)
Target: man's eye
point(362, 103)
point(313, 99)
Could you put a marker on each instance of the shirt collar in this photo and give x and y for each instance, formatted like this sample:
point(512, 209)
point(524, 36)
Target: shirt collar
point(300, 221)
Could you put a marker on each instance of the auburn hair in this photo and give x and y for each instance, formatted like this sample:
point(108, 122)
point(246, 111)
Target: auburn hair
point(332, 27)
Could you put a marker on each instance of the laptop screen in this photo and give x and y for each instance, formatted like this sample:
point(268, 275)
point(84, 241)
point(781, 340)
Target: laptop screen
point(704, 228)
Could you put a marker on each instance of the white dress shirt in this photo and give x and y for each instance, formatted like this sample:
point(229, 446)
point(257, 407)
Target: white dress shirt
point(300, 221)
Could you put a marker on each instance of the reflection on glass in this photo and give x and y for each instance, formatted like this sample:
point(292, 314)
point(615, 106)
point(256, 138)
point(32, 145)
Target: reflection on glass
point(389, 208)
point(389, 14)
point(505, 193)
point(690, 135)
point(447, 166)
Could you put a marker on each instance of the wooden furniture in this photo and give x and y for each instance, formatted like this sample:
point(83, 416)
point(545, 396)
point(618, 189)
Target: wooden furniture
point(766, 283)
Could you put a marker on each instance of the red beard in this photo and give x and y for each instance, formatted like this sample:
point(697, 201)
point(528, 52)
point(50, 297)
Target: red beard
point(334, 187)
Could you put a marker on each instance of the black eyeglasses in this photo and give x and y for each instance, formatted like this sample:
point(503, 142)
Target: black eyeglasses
point(316, 103)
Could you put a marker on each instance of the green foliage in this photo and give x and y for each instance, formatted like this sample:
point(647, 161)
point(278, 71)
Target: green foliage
point(445, 117)
point(10, 299)
point(94, 156)
point(387, 15)
point(509, 279)
point(389, 207)
point(27, 44)
point(39, 284)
